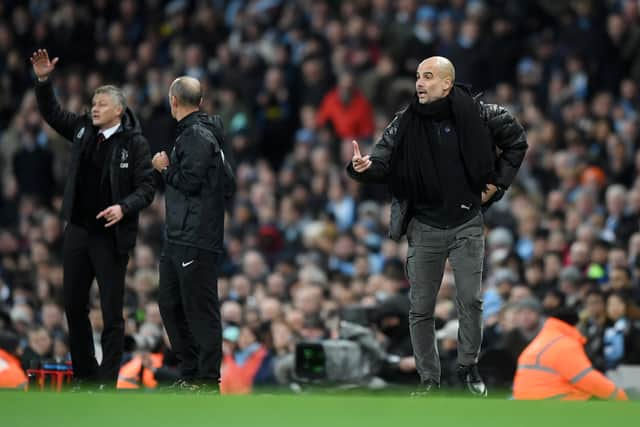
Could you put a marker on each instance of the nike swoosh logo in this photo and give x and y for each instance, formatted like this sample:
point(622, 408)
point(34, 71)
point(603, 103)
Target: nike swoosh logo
point(186, 264)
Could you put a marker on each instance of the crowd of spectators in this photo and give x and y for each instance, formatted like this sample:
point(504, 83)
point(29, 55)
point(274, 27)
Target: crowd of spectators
point(295, 82)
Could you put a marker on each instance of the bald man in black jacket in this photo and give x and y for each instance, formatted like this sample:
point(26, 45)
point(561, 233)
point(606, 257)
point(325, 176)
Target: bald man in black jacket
point(188, 295)
point(440, 159)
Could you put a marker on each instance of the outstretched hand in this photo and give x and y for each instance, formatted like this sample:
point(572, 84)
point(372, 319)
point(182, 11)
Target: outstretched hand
point(112, 215)
point(42, 66)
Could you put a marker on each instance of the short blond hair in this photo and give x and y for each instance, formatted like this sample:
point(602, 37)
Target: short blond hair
point(116, 94)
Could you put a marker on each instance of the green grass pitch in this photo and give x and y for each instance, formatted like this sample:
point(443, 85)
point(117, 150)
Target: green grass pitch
point(122, 409)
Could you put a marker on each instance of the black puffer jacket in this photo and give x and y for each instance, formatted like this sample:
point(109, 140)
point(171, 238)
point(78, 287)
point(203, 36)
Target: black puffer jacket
point(507, 134)
point(195, 184)
point(130, 170)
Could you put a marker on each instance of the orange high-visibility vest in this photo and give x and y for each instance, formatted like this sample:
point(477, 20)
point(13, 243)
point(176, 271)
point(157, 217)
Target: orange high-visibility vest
point(238, 379)
point(555, 366)
point(129, 375)
point(11, 373)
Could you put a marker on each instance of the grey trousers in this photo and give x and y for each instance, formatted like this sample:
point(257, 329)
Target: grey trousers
point(429, 248)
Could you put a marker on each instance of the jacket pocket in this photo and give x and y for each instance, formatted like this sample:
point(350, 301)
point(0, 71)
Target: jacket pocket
point(177, 210)
point(398, 221)
point(187, 211)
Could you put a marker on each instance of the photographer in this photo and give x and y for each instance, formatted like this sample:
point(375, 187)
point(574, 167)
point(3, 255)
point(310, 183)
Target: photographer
point(392, 320)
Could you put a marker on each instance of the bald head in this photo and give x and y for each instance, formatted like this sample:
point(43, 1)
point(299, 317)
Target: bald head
point(434, 79)
point(443, 66)
point(187, 91)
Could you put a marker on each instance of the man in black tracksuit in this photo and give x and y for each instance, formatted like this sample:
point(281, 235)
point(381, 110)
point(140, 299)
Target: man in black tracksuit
point(440, 160)
point(110, 180)
point(188, 294)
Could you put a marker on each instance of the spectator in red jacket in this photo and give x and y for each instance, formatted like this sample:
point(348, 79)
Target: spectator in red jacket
point(346, 108)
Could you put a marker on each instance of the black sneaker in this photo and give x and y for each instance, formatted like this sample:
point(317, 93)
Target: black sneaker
point(82, 385)
point(78, 386)
point(187, 386)
point(210, 389)
point(178, 386)
point(426, 388)
point(470, 377)
point(103, 388)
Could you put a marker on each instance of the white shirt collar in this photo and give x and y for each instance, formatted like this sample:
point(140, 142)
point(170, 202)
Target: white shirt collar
point(108, 132)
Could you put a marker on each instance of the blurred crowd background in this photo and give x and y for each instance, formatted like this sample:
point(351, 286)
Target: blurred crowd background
point(306, 247)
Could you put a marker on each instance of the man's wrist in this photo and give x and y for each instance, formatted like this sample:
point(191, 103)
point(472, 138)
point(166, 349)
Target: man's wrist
point(43, 78)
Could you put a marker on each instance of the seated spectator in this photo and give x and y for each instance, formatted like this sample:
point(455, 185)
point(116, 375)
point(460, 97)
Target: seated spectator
point(622, 336)
point(152, 364)
point(552, 300)
point(392, 319)
point(592, 325)
point(347, 110)
point(39, 349)
point(528, 321)
point(244, 357)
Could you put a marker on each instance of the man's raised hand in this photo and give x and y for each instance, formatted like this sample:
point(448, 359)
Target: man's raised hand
point(41, 64)
point(360, 164)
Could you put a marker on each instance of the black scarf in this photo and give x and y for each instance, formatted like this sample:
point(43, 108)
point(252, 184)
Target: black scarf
point(414, 175)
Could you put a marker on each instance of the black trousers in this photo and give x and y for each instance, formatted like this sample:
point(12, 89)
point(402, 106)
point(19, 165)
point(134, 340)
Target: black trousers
point(190, 309)
point(88, 256)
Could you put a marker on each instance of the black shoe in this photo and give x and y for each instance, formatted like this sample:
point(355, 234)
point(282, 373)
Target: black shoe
point(190, 386)
point(426, 388)
point(78, 386)
point(101, 388)
point(212, 389)
point(81, 385)
point(199, 388)
point(86, 386)
point(470, 377)
point(178, 386)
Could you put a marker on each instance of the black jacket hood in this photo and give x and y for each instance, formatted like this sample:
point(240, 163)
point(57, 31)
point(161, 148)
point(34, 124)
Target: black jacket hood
point(130, 123)
point(213, 123)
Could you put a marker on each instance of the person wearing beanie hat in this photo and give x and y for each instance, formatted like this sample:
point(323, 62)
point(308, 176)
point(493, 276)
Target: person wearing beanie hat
point(555, 366)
